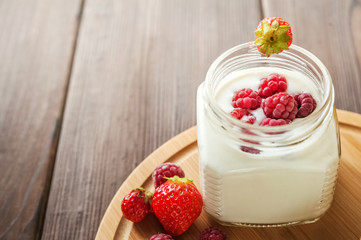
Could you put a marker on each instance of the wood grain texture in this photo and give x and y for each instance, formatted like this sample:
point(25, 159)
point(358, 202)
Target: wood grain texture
point(330, 30)
point(36, 45)
point(341, 221)
point(136, 71)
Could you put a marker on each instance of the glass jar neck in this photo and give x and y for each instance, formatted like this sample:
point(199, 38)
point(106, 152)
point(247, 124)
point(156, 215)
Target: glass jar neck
point(246, 56)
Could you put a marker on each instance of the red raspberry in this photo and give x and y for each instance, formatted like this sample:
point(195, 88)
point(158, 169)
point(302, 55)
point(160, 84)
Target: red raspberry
point(273, 122)
point(136, 205)
point(306, 104)
point(250, 150)
point(249, 119)
point(212, 233)
point(274, 83)
point(161, 236)
point(166, 170)
point(280, 105)
point(238, 113)
point(246, 98)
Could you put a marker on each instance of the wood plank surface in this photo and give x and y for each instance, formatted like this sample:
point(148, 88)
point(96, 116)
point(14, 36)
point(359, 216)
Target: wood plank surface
point(136, 71)
point(330, 30)
point(36, 45)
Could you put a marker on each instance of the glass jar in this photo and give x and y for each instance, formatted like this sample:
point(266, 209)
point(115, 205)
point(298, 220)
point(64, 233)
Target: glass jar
point(267, 176)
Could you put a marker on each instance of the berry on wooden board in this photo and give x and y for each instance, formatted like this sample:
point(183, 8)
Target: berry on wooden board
point(166, 170)
point(212, 233)
point(177, 204)
point(136, 205)
point(161, 236)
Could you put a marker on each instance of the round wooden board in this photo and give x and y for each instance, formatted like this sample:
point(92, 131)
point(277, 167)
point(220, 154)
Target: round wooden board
point(342, 220)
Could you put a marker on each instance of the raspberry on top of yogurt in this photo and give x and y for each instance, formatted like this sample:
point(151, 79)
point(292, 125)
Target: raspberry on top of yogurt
point(246, 98)
point(274, 83)
point(278, 106)
point(306, 104)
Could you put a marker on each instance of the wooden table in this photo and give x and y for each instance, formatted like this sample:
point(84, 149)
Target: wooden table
point(89, 88)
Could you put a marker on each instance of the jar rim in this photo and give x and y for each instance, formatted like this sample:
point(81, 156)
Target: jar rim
point(320, 112)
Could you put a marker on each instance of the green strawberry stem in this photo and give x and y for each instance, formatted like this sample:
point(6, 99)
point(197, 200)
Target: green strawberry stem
point(272, 38)
point(147, 195)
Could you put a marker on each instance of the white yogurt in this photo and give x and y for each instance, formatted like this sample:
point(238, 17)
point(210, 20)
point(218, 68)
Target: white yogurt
point(278, 186)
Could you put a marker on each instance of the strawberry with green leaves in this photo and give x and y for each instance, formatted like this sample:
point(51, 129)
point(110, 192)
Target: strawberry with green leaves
point(137, 204)
point(273, 35)
point(177, 204)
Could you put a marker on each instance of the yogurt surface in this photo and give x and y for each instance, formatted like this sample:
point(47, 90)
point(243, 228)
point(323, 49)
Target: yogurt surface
point(251, 78)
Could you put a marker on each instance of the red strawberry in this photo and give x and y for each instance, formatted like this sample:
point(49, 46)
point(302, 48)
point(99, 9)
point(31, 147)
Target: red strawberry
point(273, 35)
point(136, 205)
point(177, 204)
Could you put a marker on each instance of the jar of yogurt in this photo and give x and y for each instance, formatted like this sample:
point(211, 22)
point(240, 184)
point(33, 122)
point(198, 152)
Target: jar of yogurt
point(254, 175)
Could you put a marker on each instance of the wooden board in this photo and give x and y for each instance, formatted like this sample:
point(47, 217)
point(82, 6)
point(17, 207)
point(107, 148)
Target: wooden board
point(36, 45)
point(342, 220)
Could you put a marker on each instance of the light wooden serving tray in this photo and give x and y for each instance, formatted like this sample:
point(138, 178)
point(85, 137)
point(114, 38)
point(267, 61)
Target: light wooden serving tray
point(342, 221)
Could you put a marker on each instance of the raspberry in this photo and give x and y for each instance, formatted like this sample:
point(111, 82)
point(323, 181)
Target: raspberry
point(249, 119)
point(280, 105)
point(306, 104)
point(274, 83)
point(239, 113)
point(250, 150)
point(246, 98)
point(212, 233)
point(166, 170)
point(161, 236)
point(273, 122)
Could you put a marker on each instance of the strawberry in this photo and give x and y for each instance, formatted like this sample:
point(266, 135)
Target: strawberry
point(177, 204)
point(137, 204)
point(273, 35)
